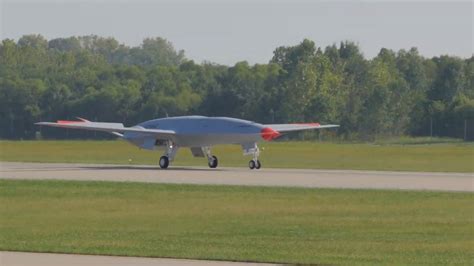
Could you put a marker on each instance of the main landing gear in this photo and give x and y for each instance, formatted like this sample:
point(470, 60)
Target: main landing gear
point(211, 159)
point(213, 162)
point(169, 155)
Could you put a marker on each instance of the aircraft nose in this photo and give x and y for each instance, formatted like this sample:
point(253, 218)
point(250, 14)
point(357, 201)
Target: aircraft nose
point(268, 133)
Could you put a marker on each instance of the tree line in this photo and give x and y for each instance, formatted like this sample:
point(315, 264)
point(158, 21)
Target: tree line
point(394, 93)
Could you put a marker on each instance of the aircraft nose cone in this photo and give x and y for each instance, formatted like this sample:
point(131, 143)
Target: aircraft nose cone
point(269, 134)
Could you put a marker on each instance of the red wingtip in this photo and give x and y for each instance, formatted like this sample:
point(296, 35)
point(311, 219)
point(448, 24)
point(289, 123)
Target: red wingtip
point(269, 134)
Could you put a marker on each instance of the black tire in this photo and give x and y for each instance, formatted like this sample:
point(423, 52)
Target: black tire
point(258, 165)
point(214, 162)
point(164, 162)
point(252, 164)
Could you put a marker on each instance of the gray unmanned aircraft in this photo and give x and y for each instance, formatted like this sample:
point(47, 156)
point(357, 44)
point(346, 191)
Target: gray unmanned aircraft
point(199, 133)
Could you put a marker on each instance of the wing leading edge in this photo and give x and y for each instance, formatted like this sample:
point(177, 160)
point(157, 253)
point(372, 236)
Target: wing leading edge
point(114, 128)
point(281, 128)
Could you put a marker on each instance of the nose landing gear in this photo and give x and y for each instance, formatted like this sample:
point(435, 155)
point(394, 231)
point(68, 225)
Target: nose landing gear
point(212, 162)
point(211, 159)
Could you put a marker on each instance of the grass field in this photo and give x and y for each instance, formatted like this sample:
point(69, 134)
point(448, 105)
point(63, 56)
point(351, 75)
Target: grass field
point(290, 225)
point(441, 157)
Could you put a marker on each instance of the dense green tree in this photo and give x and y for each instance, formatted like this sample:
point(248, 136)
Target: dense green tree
point(65, 44)
point(98, 78)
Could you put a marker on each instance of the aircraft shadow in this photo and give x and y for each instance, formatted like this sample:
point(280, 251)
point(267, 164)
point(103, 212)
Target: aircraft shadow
point(59, 168)
point(149, 168)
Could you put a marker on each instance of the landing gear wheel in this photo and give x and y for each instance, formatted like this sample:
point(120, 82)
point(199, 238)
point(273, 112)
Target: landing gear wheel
point(164, 162)
point(258, 165)
point(252, 164)
point(213, 163)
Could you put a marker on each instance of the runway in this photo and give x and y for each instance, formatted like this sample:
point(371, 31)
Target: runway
point(242, 176)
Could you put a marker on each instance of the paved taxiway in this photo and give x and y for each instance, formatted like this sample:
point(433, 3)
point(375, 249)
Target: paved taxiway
point(242, 176)
point(51, 259)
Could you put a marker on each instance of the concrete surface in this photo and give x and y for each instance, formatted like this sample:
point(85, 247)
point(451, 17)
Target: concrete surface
point(242, 176)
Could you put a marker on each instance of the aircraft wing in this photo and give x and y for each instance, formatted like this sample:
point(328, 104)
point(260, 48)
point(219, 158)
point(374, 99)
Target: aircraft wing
point(114, 128)
point(297, 127)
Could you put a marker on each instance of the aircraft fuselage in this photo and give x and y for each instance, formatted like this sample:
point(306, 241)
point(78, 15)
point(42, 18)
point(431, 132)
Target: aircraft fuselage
point(196, 131)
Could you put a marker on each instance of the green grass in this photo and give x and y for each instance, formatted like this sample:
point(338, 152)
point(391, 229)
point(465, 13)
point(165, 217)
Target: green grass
point(444, 157)
point(289, 225)
point(407, 140)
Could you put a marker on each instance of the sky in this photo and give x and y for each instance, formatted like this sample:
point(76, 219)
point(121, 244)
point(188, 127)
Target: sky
point(229, 31)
